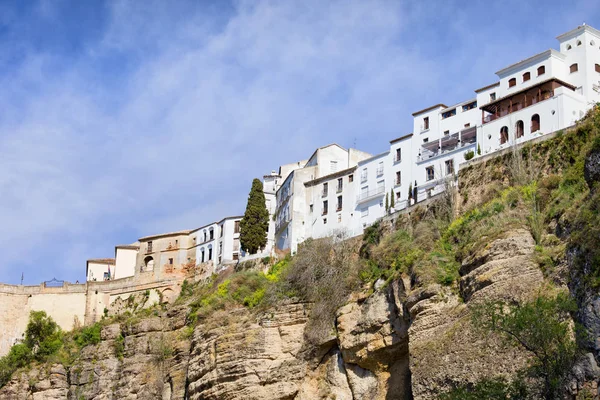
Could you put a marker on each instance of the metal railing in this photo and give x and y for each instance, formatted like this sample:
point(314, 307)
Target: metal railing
point(371, 194)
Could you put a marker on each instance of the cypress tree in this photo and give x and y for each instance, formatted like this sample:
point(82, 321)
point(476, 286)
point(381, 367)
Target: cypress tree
point(392, 200)
point(387, 202)
point(254, 225)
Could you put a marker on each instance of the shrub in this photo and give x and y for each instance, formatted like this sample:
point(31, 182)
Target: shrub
point(488, 389)
point(469, 155)
point(540, 327)
point(88, 335)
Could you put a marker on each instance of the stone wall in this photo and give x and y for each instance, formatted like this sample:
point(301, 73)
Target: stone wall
point(73, 304)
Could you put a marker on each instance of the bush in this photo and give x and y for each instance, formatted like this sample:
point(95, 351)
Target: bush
point(542, 328)
point(488, 389)
point(88, 335)
point(469, 155)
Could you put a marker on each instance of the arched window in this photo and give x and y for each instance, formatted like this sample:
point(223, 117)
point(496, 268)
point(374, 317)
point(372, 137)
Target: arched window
point(202, 255)
point(541, 70)
point(503, 134)
point(573, 68)
point(148, 263)
point(569, 47)
point(512, 82)
point(535, 123)
point(519, 129)
point(579, 43)
point(526, 76)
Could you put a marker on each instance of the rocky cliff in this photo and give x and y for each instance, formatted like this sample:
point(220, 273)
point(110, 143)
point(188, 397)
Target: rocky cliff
point(405, 332)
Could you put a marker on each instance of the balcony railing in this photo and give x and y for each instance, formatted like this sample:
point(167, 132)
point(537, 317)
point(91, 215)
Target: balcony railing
point(519, 106)
point(339, 189)
point(324, 193)
point(364, 196)
point(379, 171)
point(363, 178)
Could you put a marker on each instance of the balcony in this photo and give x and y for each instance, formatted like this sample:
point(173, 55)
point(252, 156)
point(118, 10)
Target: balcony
point(339, 189)
point(522, 99)
point(324, 193)
point(448, 144)
point(363, 178)
point(379, 171)
point(371, 194)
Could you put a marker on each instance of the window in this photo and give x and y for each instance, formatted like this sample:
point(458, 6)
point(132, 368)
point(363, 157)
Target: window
point(149, 247)
point(503, 134)
point(399, 154)
point(236, 257)
point(526, 76)
point(579, 43)
point(170, 261)
point(492, 96)
point(569, 47)
point(380, 186)
point(202, 255)
point(446, 133)
point(176, 243)
point(339, 217)
point(541, 70)
point(324, 190)
point(209, 253)
point(236, 244)
point(325, 221)
point(364, 212)
point(351, 178)
point(236, 227)
point(469, 106)
point(333, 166)
point(512, 82)
point(425, 123)
point(325, 204)
point(363, 175)
point(425, 140)
point(340, 184)
point(220, 258)
point(449, 113)
point(467, 125)
point(221, 229)
point(398, 196)
point(520, 129)
point(449, 167)
point(311, 208)
point(106, 276)
point(220, 247)
point(573, 68)
point(430, 173)
point(380, 168)
point(205, 236)
point(211, 233)
point(597, 67)
point(535, 123)
point(398, 178)
point(339, 203)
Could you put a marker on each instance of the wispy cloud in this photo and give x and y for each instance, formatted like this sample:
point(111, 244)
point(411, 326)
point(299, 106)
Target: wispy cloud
point(155, 117)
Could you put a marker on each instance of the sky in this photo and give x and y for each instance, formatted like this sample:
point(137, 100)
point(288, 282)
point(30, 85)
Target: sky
point(122, 119)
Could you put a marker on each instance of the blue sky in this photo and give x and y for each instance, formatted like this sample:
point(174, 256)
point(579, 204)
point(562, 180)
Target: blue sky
point(122, 119)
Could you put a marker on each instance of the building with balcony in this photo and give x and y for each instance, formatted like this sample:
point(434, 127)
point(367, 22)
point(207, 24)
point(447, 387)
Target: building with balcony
point(303, 206)
point(369, 202)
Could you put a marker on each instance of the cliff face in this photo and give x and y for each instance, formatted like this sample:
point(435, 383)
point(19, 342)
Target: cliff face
point(393, 344)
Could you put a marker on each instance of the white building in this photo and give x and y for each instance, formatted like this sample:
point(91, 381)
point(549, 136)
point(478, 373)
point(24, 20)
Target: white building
point(369, 203)
point(541, 94)
point(228, 244)
point(99, 269)
point(294, 220)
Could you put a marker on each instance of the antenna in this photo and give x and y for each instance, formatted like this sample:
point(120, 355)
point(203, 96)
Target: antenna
point(354, 143)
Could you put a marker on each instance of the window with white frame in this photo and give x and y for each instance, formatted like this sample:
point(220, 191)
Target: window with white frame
point(449, 167)
point(380, 168)
point(430, 173)
point(364, 212)
point(398, 178)
point(363, 175)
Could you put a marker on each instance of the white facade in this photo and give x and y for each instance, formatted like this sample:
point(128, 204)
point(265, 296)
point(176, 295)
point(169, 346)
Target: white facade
point(100, 269)
point(345, 190)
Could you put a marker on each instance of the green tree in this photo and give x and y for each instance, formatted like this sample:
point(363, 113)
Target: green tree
point(478, 149)
point(254, 225)
point(410, 193)
point(392, 201)
point(42, 335)
point(387, 202)
point(541, 327)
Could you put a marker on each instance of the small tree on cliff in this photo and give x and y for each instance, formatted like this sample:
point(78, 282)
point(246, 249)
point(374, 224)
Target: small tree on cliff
point(254, 225)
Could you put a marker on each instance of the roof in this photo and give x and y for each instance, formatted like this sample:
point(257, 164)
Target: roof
point(429, 109)
point(462, 103)
point(323, 147)
point(491, 103)
point(400, 138)
point(487, 87)
point(234, 217)
point(366, 160)
point(577, 30)
point(540, 56)
point(128, 246)
point(183, 232)
point(109, 261)
point(330, 176)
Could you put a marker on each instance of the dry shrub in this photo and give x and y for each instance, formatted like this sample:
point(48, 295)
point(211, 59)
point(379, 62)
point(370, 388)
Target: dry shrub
point(324, 272)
